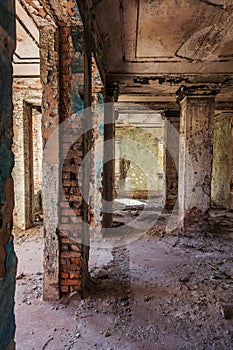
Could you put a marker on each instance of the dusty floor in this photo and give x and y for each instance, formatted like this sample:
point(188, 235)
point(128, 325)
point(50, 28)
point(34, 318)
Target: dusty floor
point(162, 291)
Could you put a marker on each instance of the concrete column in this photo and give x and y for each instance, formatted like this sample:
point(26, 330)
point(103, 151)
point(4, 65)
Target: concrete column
point(109, 157)
point(49, 55)
point(195, 157)
point(222, 161)
point(23, 170)
point(171, 158)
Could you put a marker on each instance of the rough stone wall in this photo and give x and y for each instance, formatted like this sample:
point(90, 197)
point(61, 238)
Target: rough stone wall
point(26, 92)
point(7, 254)
point(222, 161)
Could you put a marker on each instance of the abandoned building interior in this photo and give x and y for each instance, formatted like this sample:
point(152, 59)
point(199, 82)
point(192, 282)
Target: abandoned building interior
point(116, 174)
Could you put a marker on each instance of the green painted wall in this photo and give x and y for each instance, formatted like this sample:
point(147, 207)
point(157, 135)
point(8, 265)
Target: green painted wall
point(139, 166)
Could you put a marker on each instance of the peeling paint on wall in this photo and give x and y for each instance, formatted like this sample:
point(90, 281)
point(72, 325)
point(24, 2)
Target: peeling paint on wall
point(135, 177)
point(7, 254)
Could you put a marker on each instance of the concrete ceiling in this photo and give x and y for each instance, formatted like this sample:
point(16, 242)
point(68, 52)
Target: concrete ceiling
point(26, 60)
point(154, 46)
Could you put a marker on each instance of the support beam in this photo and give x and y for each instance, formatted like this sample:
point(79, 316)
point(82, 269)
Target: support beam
point(222, 161)
point(171, 158)
point(109, 156)
point(195, 152)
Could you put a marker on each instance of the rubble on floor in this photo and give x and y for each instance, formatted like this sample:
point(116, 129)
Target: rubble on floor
point(158, 292)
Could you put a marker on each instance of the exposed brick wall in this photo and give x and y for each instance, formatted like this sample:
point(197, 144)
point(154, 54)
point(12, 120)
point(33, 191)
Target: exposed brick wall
point(62, 74)
point(71, 216)
point(70, 265)
point(73, 254)
point(73, 231)
point(65, 256)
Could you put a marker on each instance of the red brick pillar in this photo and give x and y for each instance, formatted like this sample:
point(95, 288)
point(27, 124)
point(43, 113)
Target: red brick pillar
point(73, 228)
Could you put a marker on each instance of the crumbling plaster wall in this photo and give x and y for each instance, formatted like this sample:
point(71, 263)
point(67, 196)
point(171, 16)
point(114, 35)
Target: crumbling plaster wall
point(49, 54)
point(7, 254)
point(95, 210)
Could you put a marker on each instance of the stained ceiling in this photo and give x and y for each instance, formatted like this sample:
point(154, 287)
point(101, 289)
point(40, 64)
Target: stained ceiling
point(154, 46)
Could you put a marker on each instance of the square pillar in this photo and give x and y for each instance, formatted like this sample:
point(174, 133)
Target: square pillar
point(222, 161)
point(49, 56)
point(75, 145)
point(109, 157)
point(195, 152)
point(171, 158)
